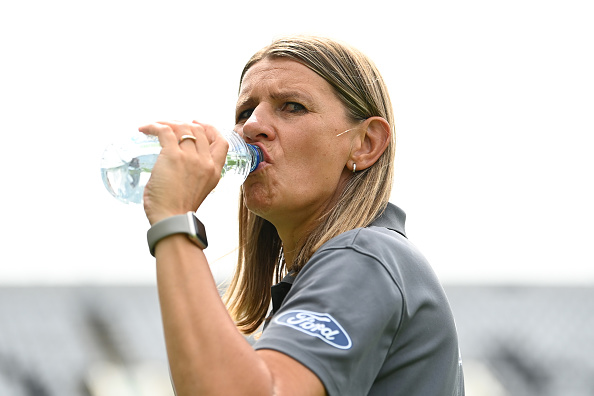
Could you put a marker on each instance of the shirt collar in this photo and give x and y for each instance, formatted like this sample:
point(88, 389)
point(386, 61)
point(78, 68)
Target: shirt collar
point(392, 218)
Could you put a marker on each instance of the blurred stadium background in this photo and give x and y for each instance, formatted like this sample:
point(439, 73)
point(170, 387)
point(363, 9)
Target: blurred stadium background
point(107, 341)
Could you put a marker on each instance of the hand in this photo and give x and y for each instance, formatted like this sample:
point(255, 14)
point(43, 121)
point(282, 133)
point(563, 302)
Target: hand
point(185, 173)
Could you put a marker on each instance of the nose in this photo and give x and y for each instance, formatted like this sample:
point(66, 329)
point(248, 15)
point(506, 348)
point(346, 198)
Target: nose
point(258, 126)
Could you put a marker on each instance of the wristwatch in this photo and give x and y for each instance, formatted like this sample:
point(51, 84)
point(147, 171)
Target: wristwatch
point(181, 224)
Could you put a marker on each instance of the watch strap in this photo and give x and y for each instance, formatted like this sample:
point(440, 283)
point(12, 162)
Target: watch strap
point(181, 224)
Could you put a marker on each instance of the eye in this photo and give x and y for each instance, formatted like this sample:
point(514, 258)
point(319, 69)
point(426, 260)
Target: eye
point(244, 115)
point(294, 107)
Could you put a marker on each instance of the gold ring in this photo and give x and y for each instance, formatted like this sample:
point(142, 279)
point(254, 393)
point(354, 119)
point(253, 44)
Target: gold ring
point(184, 137)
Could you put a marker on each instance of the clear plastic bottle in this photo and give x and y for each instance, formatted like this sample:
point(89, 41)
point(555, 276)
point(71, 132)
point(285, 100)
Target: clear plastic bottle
point(126, 168)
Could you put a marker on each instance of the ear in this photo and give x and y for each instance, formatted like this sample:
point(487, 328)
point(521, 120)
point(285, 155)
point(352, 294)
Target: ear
point(371, 142)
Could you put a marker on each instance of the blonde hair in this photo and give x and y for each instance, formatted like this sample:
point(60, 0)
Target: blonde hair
point(360, 87)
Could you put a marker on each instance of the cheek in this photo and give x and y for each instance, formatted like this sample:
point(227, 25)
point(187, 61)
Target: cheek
point(319, 177)
point(327, 153)
point(321, 162)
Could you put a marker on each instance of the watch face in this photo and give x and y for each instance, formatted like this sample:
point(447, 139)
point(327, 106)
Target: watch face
point(200, 231)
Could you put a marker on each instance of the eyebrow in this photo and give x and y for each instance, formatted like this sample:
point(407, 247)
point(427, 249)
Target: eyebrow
point(284, 95)
point(277, 96)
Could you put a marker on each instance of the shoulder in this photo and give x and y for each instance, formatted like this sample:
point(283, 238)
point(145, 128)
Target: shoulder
point(369, 240)
point(362, 252)
point(382, 256)
point(386, 247)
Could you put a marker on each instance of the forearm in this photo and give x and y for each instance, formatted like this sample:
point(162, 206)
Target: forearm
point(207, 355)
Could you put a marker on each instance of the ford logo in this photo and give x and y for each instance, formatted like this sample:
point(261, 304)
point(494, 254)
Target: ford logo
point(318, 325)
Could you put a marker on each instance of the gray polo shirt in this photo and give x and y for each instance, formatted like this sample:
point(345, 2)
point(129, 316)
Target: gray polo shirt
point(368, 316)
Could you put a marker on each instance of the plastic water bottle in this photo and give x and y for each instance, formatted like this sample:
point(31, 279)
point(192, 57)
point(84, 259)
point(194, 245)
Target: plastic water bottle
point(126, 168)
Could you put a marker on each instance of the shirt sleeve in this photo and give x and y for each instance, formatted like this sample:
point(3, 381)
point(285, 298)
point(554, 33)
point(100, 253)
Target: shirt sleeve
point(339, 318)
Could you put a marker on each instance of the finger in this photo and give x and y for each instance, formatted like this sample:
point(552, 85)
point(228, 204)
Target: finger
point(210, 131)
point(218, 145)
point(150, 129)
point(187, 138)
point(201, 143)
point(183, 132)
point(190, 136)
point(154, 128)
point(164, 132)
point(218, 150)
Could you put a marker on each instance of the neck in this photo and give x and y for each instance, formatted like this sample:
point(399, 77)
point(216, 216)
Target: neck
point(290, 247)
point(294, 230)
point(293, 238)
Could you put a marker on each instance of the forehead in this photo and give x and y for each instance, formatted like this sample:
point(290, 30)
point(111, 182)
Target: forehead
point(283, 74)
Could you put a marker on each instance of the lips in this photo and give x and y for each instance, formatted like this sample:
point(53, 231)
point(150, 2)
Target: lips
point(264, 153)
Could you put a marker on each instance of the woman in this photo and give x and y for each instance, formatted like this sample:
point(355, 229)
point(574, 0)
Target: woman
point(358, 310)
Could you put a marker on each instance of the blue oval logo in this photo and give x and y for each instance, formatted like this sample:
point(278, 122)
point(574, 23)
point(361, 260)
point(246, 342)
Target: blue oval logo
point(323, 326)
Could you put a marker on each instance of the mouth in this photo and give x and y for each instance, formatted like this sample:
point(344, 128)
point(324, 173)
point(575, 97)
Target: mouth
point(266, 157)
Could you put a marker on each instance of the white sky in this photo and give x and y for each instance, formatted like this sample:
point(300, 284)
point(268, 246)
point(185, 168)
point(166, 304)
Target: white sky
point(494, 103)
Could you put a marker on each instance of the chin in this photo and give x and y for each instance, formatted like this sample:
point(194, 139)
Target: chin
point(257, 199)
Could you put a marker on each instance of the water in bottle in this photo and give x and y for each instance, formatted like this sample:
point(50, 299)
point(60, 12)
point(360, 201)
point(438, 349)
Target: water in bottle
point(126, 168)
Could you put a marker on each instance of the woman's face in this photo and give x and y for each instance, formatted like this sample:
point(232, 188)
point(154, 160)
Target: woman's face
point(294, 116)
